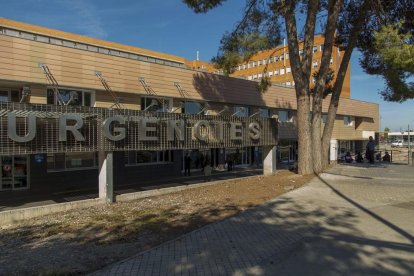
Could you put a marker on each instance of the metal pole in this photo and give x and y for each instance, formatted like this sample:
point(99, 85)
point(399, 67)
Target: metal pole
point(409, 148)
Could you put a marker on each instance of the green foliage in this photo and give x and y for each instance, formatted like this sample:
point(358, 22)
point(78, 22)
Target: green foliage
point(395, 48)
point(203, 6)
point(387, 46)
point(387, 129)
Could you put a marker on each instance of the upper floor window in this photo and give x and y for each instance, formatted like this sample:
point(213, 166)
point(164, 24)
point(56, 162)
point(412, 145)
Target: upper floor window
point(315, 64)
point(270, 60)
point(301, 52)
point(69, 96)
point(282, 57)
point(348, 120)
point(264, 61)
point(276, 58)
point(249, 65)
point(321, 48)
point(315, 49)
point(270, 73)
point(259, 62)
point(282, 71)
point(264, 112)
point(276, 72)
point(192, 107)
point(155, 104)
point(254, 63)
point(288, 70)
point(285, 116)
point(9, 95)
point(249, 77)
point(324, 118)
point(287, 56)
point(244, 66)
point(241, 111)
point(331, 61)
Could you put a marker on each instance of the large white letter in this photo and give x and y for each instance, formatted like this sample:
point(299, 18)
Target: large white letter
point(178, 127)
point(234, 130)
point(254, 129)
point(12, 128)
point(121, 130)
point(63, 127)
point(144, 129)
point(197, 130)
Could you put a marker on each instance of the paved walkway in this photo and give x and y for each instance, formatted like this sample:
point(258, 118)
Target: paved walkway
point(354, 219)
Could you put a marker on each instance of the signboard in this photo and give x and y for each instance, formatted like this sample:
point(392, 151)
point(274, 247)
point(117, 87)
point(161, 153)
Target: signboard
point(51, 128)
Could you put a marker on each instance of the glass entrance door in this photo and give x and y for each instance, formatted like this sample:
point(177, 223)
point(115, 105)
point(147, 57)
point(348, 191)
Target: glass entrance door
point(14, 172)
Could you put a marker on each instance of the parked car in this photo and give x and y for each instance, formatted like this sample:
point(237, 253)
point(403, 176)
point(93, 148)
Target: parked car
point(397, 144)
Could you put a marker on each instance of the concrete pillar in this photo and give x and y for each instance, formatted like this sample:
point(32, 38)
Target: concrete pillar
point(333, 151)
point(106, 176)
point(269, 160)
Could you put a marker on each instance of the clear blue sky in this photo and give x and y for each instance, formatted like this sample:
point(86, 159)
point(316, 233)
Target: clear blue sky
point(169, 26)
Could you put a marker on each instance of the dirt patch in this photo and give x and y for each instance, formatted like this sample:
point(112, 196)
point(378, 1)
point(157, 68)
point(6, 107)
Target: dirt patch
point(84, 240)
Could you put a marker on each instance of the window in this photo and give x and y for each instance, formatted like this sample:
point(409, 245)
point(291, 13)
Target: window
point(244, 66)
point(276, 58)
point(282, 57)
point(288, 83)
point(192, 107)
point(301, 52)
point(282, 71)
point(321, 48)
point(155, 104)
point(249, 77)
point(285, 116)
point(270, 60)
point(270, 73)
point(264, 61)
point(241, 111)
point(249, 65)
point(239, 67)
point(314, 64)
point(148, 157)
point(315, 49)
point(254, 77)
point(324, 118)
point(331, 61)
point(348, 120)
point(259, 62)
point(8, 95)
point(70, 97)
point(276, 72)
point(287, 56)
point(264, 113)
point(288, 70)
point(254, 63)
point(260, 76)
point(72, 161)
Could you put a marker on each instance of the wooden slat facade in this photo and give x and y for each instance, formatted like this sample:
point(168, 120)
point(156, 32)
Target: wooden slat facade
point(75, 68)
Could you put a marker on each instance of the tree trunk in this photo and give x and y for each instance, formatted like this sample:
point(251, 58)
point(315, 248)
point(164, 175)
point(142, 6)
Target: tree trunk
point(304, 134)
point(317, 134)
point(334, 102)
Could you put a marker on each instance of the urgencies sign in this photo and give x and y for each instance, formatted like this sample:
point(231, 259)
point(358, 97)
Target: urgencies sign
point(36, 128)
point(114, 129)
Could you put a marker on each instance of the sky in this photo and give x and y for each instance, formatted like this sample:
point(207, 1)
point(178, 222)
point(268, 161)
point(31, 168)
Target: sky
point(169, 26)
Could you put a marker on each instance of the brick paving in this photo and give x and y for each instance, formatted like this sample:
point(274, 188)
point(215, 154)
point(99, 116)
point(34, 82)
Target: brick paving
point(353, 219)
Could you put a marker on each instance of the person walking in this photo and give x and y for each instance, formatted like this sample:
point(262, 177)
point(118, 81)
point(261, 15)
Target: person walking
point(370, 150)
point(187, 164)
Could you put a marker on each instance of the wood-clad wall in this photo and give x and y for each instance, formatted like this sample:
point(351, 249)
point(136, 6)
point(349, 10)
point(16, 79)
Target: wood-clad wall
point(76, 68)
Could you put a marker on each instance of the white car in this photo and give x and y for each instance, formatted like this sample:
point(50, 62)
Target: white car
point(397, 144)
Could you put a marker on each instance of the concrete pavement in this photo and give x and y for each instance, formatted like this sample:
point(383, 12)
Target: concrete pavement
point(353, 219)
